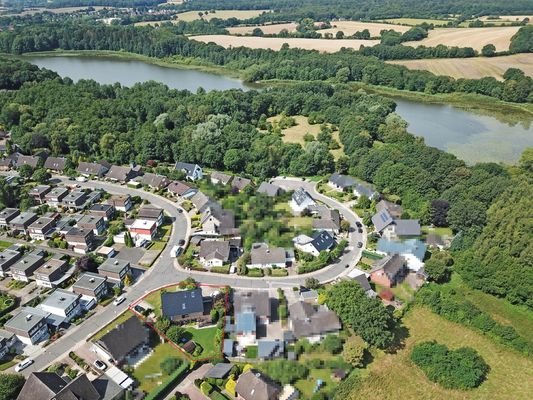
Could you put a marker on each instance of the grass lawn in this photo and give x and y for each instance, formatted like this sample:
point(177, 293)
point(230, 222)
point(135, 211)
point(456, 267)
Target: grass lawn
point(205, 337)
point(6, 301)
point(120, 319)
point(251, 352)
point(149, 373)
point(300, 222)
point(307, 386)
point(7, 362)
point(4, 245)
point(403, 292)
point(438, 231)
point(393, 376)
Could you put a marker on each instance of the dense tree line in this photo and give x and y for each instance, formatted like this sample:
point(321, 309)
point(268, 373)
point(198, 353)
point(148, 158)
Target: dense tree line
point(522, 41)
point(13, 73)
point(402, 52)
point(370, 9)
point(255, 64)
point(81, 3)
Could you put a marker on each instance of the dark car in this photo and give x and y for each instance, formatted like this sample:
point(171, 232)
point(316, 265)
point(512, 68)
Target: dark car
point(181, 242)
point(359, 225)
point(139, 309)
point(360, 230)
point(359, 245)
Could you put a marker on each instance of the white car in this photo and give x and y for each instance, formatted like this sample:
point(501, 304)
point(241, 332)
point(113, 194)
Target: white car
point(100, 365)
point(119, 300)
point(24, 364)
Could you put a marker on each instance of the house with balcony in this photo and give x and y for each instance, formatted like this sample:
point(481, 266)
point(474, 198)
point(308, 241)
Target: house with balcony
point(51, 272)
point(55, 197)
point(29, 325)
point(8, 257)
point(121, 202)
point(181, 189)
point(81, 240)
point(63, 305)
point(193, 172)
point(22, 222)
point(151, 213)
point(92, 287)
point(300, 201)
point(143, 229)
point(7, 215)
point(24, 268)
point(38, 193)
point(42, 228)
point(106, 211)
point(75, 200)
point(93, 223)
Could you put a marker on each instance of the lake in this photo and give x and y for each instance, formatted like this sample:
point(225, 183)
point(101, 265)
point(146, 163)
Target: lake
point(470, 136)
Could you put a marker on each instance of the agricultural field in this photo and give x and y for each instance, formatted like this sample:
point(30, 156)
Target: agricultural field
point(393, 376)
point(416, 21)
point(271, 29)
point(221, 14)
point(321, 45)
point(296, 133)
point(469, 37)
point(473, 68)
point(350, 27)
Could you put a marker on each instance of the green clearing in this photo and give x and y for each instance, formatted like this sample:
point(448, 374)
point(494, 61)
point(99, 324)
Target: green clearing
point(307, 386)
point(6, 301)
point(393, 376)
point(438, 231)
point(416, 21)
point(205, 337)
point(149, 373)
point(4, 245)
point(119, 320)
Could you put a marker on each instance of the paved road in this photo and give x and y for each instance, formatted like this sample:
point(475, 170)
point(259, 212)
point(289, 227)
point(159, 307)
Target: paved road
point(165, 269)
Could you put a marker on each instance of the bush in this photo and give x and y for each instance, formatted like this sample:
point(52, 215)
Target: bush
point(255, 273)
point(175, 333)
point(332, 344)
point(285, 371)
point(452, 369)
point(206, 388)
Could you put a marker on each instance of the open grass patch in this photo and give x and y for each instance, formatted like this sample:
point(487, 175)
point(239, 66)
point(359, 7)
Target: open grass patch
point(6, 302)
point(394, 376)
point(204, 337)
point(117, 321)
point(4, 245)
point(149, 373)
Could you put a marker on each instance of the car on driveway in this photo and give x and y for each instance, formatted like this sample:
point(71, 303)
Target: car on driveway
point(100, 365)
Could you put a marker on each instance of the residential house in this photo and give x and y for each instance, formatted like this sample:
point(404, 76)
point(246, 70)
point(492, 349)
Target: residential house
point(126, 340)
point(29, 324)
point(88, 169)
point(412, 250)
point(24, 268)
point(300, 201)
point(143, 229)
point(201, 201)
point(50, 386)
point(22, 222)
point(32, 161)
point(219, 371)
point(246, 328)
point(67, 222)
point(269, 189)
point(436, 241)
point(361, 189)
point(252, 385)
point(395, 210)
point(75, 200)
point(263, 256)
point(38, 193)
point(312, 323)
point(389, 271)
point(321, 241)
point(121, 202)
point(50, 273)
point(55, 164)
point(7, 340)
point(328, 220)
point(219, 178)
point(193, 172)
point(361, 278)
point(93, 223)
point(151, 213)
point(123, 174)
point(392, 228)
point(239, 183)
point(63, 304)
point(183, 306)
point(42, 228)
point(106, 211)
point(181, 189)
point(55, 197)
point(217, 221)
point(6, 164)
point(256, 301)
point(342, 183)
point(93, 197)
point(214, 253)
point(155, 181)
point(308, 295)
point(115, 269)
point(7, 215)
point(8, 257)
point(91, 285)
point(81, 240)
point(269, 349)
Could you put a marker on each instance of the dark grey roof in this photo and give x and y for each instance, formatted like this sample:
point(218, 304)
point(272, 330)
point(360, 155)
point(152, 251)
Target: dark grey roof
point(180, 188)
point(268, 349)
point(79, 388)
point(262, 254)
point(114, 265)
point(24, 218)
point(228, 347)
point(407, 227)
point(39, 190)
point(41, 386)
point(215, 249)
point(107, 388)
point(307, 320)
point(269, 189)
point(55, 163)
point(300, 196)
point(342, 181)
point(89, 168)
point(125, 338)
point(258, 301)
point(182, 302)
point(253, 386)
point(323, 241)
point(395, 210)
point(32, 161)
point(225, 218)
point(149, 212)
point(101, 207)
point(381, 220)
point(365, 190)
point(219, 371)
point(363, 281)
point(189, 167)
point(26, 319)
point(89, 281)
point(240, 183)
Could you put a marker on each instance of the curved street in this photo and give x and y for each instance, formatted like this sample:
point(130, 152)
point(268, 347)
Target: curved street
point(165, 269)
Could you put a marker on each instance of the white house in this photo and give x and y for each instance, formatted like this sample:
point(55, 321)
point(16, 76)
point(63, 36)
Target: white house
point(193, 172)
point(214, 253)
point(63, 304)
point(263, 256)
point(321, 241)
point(300, 201)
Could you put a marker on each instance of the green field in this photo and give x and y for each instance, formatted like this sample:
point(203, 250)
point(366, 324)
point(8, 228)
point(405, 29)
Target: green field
point(149, 373)
point(393, 376)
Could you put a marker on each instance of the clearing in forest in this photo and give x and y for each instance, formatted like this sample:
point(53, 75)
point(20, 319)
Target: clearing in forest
point(350, 27)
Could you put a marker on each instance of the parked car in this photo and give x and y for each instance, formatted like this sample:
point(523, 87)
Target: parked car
point(119, 300)
point(359, 225)
point(181, 242)
point(24, 364)
point(359, 245)
point(360, 230)
point(100, 365)
point(139, 309)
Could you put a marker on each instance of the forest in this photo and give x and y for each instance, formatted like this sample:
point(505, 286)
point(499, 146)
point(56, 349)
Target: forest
point(255, 65)
point(487, 204)
point(81, 3)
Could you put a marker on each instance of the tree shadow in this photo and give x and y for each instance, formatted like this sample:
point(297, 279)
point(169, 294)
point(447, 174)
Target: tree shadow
point(401, 333)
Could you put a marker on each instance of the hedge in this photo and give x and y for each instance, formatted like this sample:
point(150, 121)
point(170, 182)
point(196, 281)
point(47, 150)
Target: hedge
point(158, 392)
